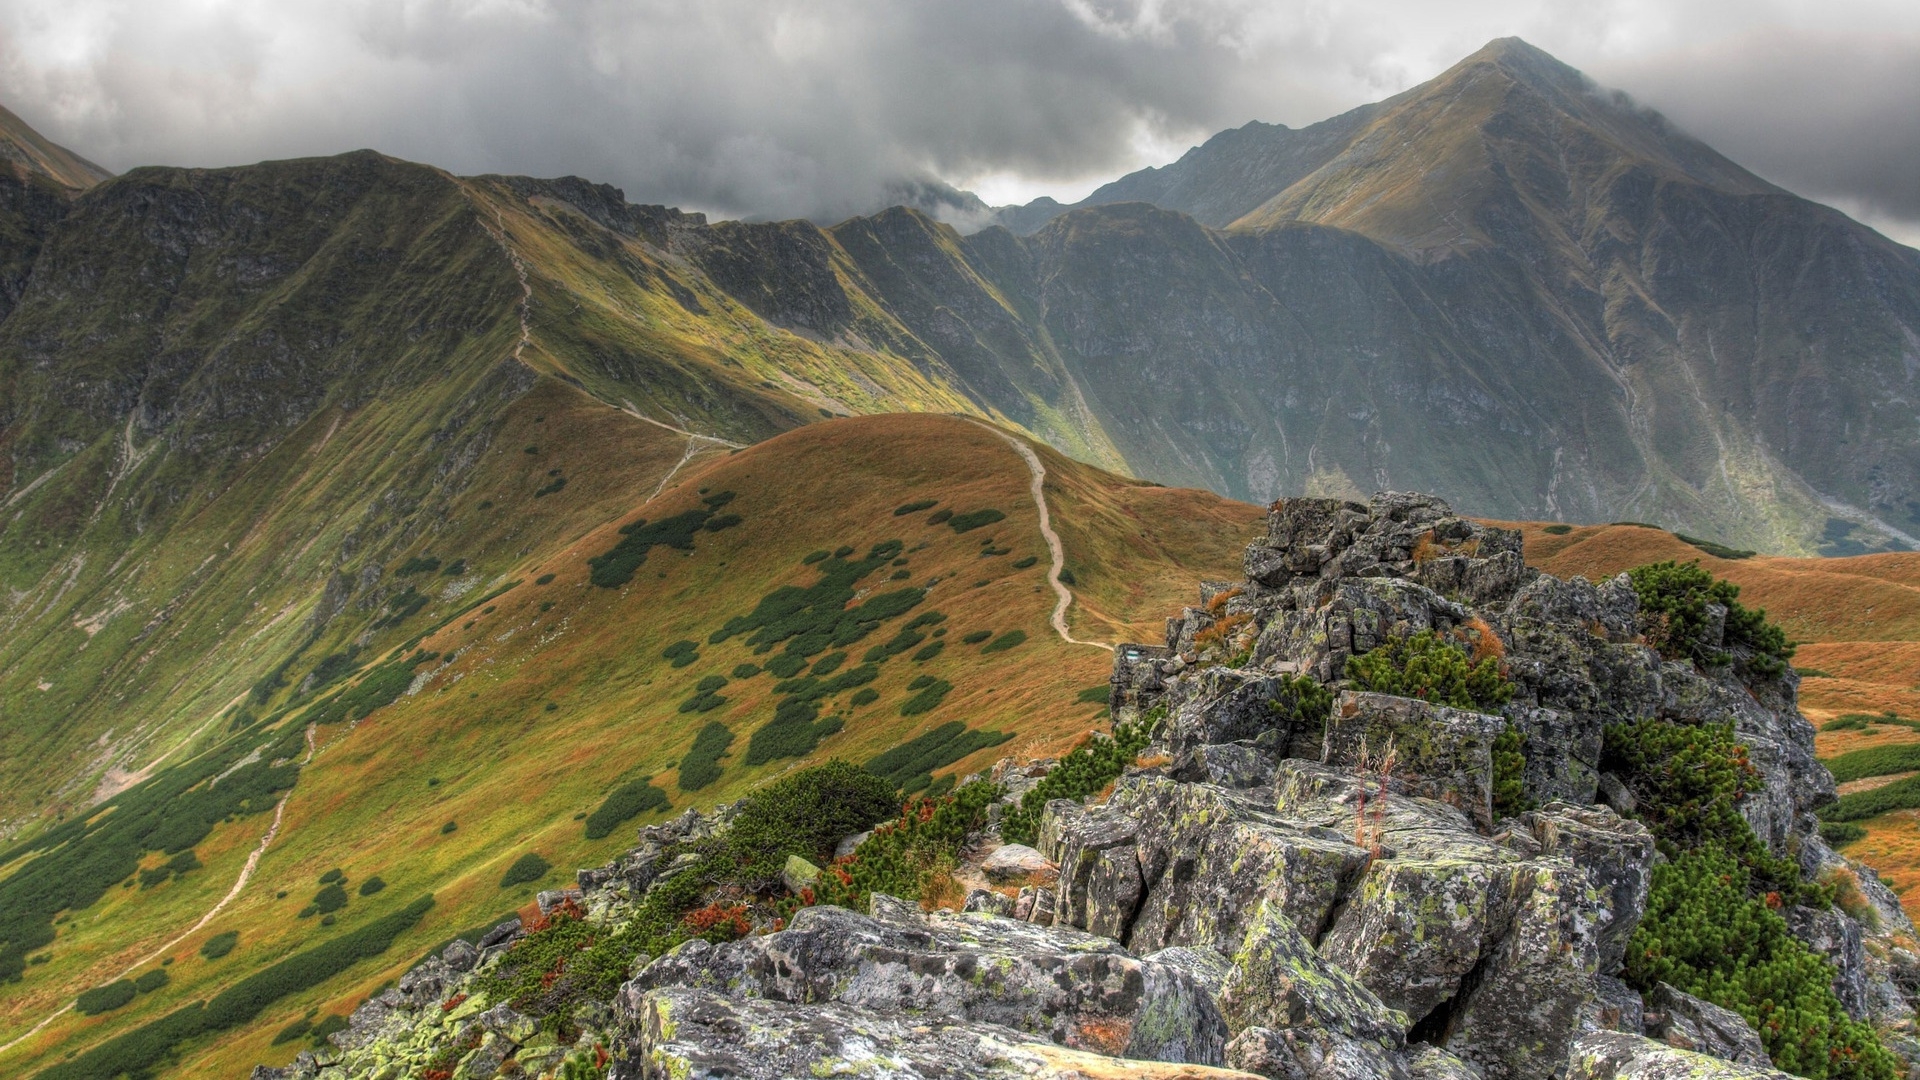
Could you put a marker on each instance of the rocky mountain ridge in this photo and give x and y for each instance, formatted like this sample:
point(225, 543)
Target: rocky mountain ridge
point(1407, 902)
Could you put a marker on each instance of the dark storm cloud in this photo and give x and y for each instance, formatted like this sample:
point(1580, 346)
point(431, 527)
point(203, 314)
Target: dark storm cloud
point(820, 107)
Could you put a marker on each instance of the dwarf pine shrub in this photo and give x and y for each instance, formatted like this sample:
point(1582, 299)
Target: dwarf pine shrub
point(1091, 766)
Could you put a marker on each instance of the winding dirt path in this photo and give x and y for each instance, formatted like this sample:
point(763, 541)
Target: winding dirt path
point(1062, 598)
point(240, 884)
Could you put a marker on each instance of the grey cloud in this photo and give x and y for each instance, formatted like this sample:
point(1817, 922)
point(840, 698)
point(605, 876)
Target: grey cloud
point(823, 107)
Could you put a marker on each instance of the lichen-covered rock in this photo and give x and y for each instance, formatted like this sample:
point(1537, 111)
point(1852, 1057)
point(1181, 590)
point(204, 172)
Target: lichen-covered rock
point(1613, 1055)
point(1686, 1022)
point(1431, 750)
point(1835, 935)
point(682, 1033)
point(1228, 765)
point(1416, 927)
point(1058, 984)
point(1617, 855)
point(1317, 1011)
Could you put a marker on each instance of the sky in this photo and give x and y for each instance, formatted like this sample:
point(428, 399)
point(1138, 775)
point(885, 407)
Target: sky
point(823, 108)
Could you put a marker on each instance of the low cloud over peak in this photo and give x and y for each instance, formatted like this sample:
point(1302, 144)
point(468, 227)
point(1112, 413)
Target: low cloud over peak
point(822, 108)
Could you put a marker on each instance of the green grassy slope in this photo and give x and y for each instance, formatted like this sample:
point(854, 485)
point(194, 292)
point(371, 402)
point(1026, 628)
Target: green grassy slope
point(551, 695)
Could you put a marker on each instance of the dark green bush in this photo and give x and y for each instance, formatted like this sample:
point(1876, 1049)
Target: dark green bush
point(1875, 761)
point(1706, 935)
point(296, 1030)
point(149, 981)
point(558, 483)
point(916, 758)
point(814, 557)
point(1849, 722)
point(815, 618)
point(331, 669)
point(1715, 549)
point(915, 507)
point(865, 697)
point(328, 1024)
point(939, 516)
point(105, 998)
point(371, 885)
point(615, 567)
point(528, 867)
point(1099, 693)
point(1091, 766)
point(680, 648)
point(903, 855)
point(928, 652)
point(330, 899)
point(1687, 782)
point(1005, 641)
point(724, 521)
point(379, 688)
point(927, 699)
point(1841, 833)
point(138, 1051)
point(786, 665)
point(804, 814)
point(1558, 530)
point(1428, 667)
point(1861, 805)
point(1673, 615)
point(455, 568)
point(623, 804)
point(746, 671)
point(701, 765)
point(544, 579)
point(333, 875)
point(843, 552)
point(794, 731)
point(975, 637)
point(906, 639)
point(1022, 564)
point(418, 564)
point(974, 519)
point(1510, 774)
point(829, 663)
point(449, 827)
point(220, 944)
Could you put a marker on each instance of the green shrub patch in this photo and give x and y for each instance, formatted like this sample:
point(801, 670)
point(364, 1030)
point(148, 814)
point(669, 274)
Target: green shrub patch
point(333, 875)
point(864, 697)
point(1431, 668)
point(1674, 598)
point(1841, 833)
point(528, 867)
point(1715, 549)
point(558, 483)
point(813, 619)
point(1022, 564)
point(220, 944)
point(105, 998)
point(701, 765)
point(975, 637)
point(829, 663)
point(1557, 530)
point(928, 652)
point(786, 665)
point(615, 567)
point(137, 1052)
point(149, 981)
point(623, 804)
point(1006, 641)
point(1091, 766)
point(418, 564)
point(1098, 693)
point(745, 671)
point(379, 688)
point(330, 899)
point(1875, 761)
point(1861, 805)
point(794, 731)
point(371, 885)
point(939, 516)
point(974, 519)
point(903, 855)
point(927, 699)
point(911, 764)
point(915, 507)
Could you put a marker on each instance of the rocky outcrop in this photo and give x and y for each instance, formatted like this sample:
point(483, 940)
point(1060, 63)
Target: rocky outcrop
point(1612, 1055)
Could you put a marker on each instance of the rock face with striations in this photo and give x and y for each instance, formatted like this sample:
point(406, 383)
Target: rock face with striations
point(1262, 895)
